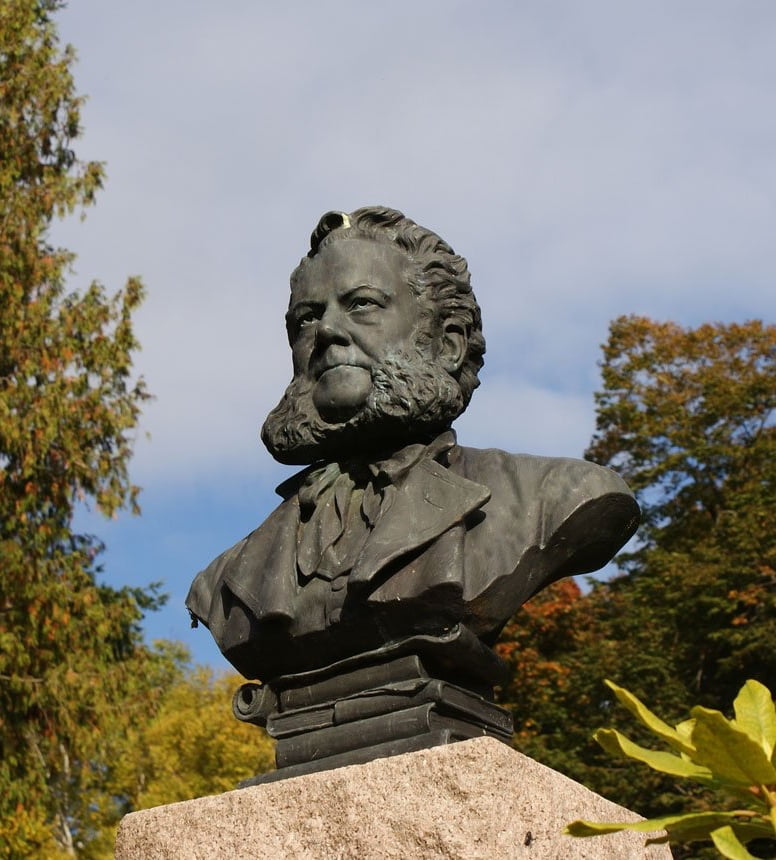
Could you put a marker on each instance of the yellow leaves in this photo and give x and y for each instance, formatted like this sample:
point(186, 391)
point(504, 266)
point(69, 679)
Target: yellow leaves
point(194, 746)
point(756, 716)
point(736, 755)
point(675, 737)
point(26, 833)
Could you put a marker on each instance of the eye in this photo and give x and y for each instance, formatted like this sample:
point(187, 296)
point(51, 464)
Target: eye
point(364, 302)
point(300, 323)
point(305, 318)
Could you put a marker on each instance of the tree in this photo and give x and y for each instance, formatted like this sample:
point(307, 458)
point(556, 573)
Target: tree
point(561, 645)
point(73, 671)
point(532, 643)
point(193, 746)
point(687, 417)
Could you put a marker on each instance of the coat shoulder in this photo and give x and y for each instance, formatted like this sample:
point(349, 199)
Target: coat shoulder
point(555, 503)
point(565, 475)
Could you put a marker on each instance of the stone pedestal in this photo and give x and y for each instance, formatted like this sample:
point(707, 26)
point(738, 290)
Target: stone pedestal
point(474, 799)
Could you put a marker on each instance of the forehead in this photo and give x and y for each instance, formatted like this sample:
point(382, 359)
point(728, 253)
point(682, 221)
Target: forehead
point(347, 263)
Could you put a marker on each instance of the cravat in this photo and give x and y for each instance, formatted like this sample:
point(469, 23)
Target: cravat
point(350, 496)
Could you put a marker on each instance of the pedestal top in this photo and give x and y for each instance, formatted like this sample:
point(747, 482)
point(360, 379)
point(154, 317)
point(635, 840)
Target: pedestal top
point(474, 800)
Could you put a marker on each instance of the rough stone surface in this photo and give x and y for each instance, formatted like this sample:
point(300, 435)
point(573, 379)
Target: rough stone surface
point(475, 799)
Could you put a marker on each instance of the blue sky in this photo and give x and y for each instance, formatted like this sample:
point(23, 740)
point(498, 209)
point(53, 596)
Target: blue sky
point(589, 159)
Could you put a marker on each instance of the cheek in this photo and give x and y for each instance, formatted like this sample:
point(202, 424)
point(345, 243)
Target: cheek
point(300, 353)
point(388, 336)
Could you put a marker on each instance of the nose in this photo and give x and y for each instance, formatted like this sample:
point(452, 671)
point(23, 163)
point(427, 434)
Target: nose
point(331, 329)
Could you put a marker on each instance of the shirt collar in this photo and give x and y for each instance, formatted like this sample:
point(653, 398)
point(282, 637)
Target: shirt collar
point(394, 467)
point(386, 470)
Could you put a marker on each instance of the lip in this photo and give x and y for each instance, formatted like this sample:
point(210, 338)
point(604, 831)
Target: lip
point(336, 366)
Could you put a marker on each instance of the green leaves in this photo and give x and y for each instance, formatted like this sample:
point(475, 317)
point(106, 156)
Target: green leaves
point(691, 827)
point(617, 744)
point(756, 715)
point(74, 673)
point(688, 417)
point(677, 738)
point(728, 844)
point(734, 754)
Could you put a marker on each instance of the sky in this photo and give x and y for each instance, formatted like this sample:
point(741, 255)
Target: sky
point(588, 159)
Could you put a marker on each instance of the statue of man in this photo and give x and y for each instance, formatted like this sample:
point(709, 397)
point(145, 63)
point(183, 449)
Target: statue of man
point(393, 530)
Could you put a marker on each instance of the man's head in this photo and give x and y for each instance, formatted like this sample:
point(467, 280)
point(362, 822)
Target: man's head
point(386, 337)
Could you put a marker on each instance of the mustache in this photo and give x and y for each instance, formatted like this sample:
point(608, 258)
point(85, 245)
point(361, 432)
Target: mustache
point(320, 367)
point(412, 397)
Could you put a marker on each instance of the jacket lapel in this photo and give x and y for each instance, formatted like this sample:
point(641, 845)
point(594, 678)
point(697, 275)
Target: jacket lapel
point(429, 500)
point(263, 573)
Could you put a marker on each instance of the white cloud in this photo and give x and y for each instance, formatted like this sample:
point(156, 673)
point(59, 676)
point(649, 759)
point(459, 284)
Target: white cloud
point(522, 418)
point(589, 161)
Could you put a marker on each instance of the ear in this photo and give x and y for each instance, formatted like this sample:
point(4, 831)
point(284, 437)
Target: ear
point(453, 345)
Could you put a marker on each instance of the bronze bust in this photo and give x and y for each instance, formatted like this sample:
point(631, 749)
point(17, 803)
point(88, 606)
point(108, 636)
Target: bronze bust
point(394, 542)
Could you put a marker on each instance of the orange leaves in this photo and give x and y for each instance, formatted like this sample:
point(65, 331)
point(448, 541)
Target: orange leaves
point(544, 614)
point(532, 643)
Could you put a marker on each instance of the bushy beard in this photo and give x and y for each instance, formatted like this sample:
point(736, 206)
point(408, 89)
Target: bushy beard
point(412, 399)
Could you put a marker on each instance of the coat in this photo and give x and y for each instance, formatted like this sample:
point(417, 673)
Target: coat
point(465, 541)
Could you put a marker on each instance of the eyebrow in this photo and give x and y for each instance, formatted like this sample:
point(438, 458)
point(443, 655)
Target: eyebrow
point(305, 304)
point(372, 289)
point(310, 303)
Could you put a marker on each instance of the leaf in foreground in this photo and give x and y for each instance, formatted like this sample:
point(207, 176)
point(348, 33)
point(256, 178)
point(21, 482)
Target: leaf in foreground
point(617, 744)
point(728, 844)
point(756, 715)
point(730, 753)
point(650, 719)
point(688, 827)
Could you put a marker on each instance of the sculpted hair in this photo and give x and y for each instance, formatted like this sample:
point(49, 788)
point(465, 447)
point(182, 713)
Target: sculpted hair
point(438, 276)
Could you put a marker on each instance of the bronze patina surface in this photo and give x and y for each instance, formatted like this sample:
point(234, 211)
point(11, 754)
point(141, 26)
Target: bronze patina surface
point(396, 555)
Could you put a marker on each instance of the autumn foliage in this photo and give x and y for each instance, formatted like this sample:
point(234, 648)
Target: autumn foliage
point(71, 657)
point(193, 746)
point(687, 416)
point(93, 722)
point(533, 644)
